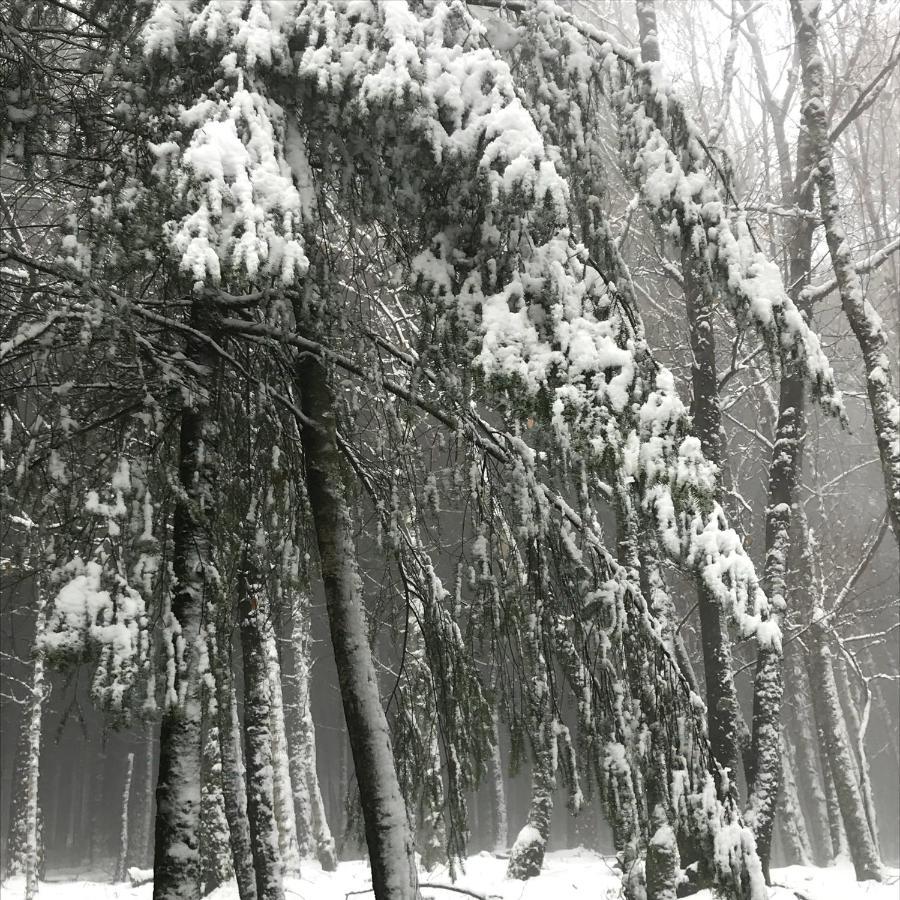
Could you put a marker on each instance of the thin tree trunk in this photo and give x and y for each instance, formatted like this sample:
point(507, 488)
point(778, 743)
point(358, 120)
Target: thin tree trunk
point(97, 835)
point(500, 836)
point(33, 760)
point(282, 783)
point(234, 789)
point(384, 811)
point(313, 833)
point(123, 831)
point(146, 857)
point(295, 674)
point(864, 322)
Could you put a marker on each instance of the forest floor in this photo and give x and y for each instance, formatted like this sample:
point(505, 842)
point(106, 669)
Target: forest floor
point(567, 875)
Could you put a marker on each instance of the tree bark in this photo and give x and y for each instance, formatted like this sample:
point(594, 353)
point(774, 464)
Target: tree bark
point(384, 811)
point(176, 862)
point(793, 826)
point(863, 319)
point(35, 712)
point(500, 837)
point(234, 788)
point(264, 839)
point(123, 832)
point(283, 790)
point(840, 756)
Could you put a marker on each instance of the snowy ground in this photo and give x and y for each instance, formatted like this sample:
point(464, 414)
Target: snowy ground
point(567, 875)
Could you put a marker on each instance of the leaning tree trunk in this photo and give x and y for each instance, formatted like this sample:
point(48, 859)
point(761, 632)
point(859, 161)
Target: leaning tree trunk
point(176, 861)
point(864, 321)
point(384, 811)
point(267, 863)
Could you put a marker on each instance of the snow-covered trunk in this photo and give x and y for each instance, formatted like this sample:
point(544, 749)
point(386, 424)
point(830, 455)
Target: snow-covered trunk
point(721, 695)
point(699, 296)
point(864, 321)
point(790, 814)
point(325, 849)
point(234, 788)
point(123, 827)
point(663, 864)
point(527, 854)
point(764, 773)
point(838, 835)
point(176, 860)
point(856, 732)
point(384, 811)
point(313, 832)
point(215, 854)
point(295, 680)
point(34, 712)
point(260, 765)
point(432, 836)
point(805, 770)
point(500, 837)
point(283, 791)
point(140, 842)
point(646, 16)
point(840, 754)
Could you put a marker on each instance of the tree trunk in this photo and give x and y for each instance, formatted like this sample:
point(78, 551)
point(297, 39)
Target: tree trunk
point(313, 833)
point(500, 837)
point(864, 321)
point(790, 813)
point(35, 711)
point(840, 756)
point(721, 695)
point(234, 788)
point(527, 854)
point(295, 677)
point(176, 860)
point(147, 846)
point(384, 811)
point(283, 790)
point(97, 820)
point(215, 856)
point(123, 831)
point(264, 838)
point(856, 733)
point(810, 790)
